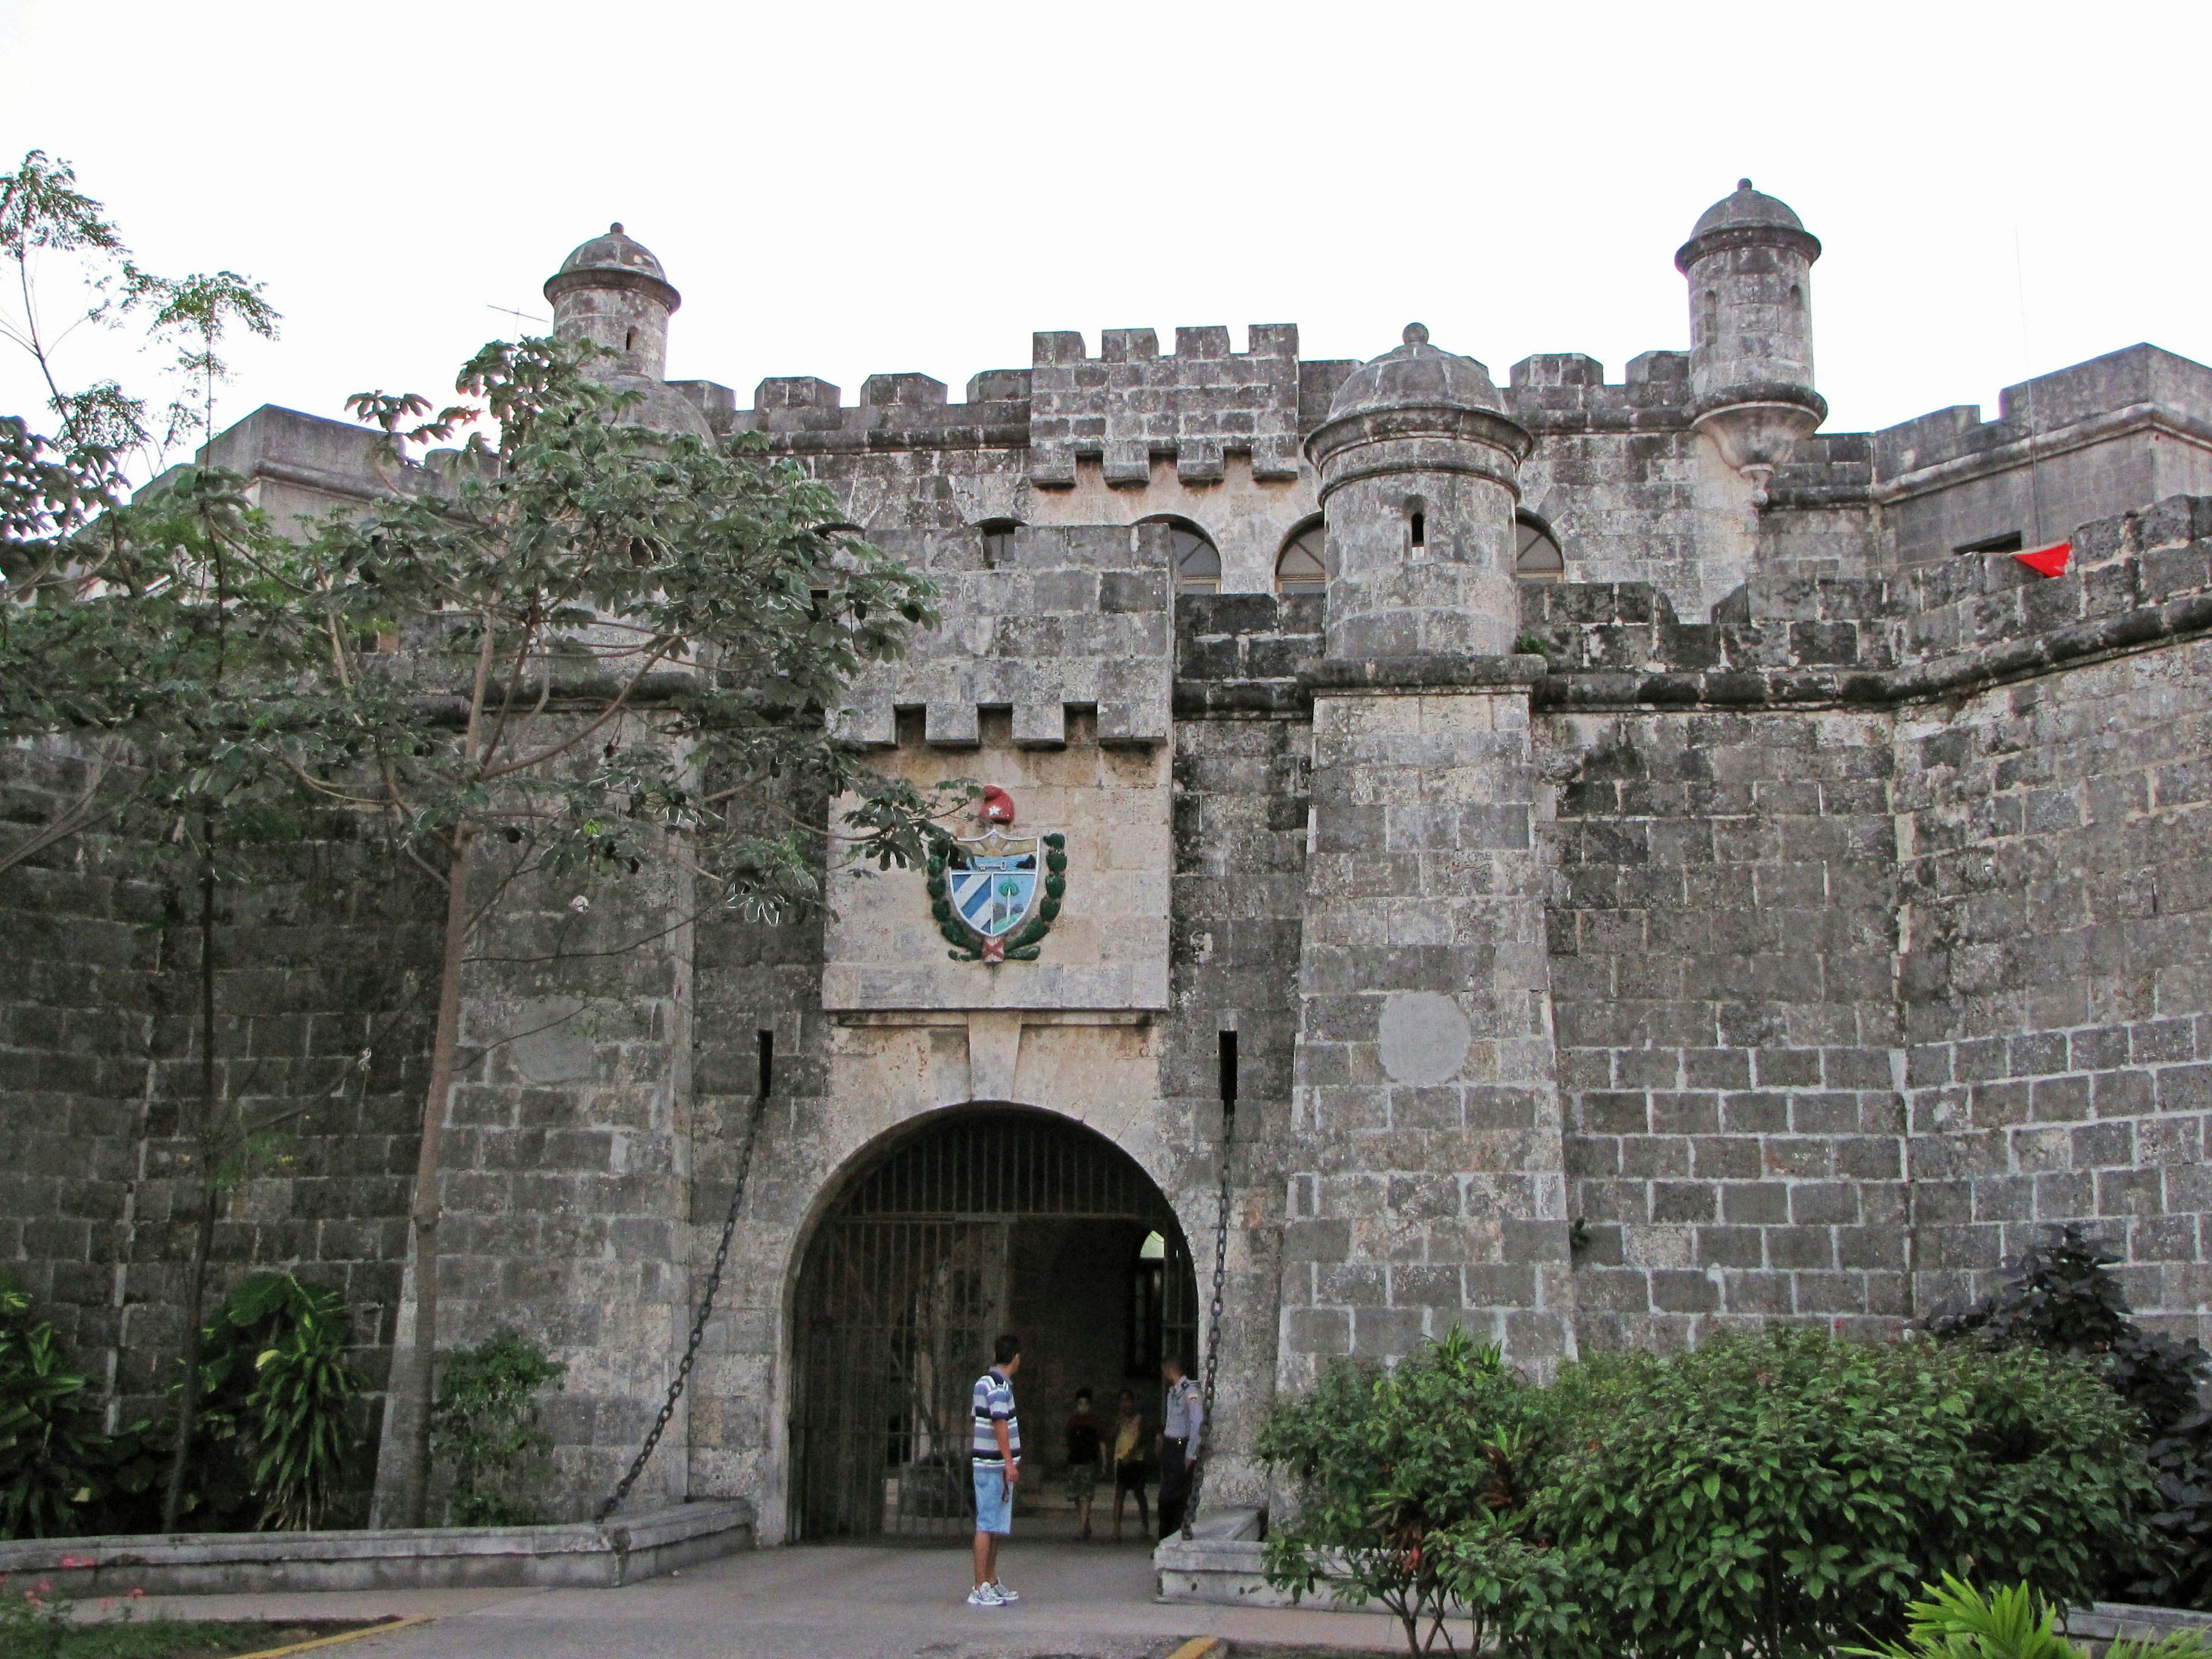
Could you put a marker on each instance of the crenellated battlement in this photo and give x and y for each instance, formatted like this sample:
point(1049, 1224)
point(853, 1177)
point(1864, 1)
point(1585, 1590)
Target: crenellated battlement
point(1198, 403)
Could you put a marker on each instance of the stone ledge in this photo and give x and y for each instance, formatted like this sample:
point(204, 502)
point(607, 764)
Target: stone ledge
point(583, 1555)
point(1342, 675)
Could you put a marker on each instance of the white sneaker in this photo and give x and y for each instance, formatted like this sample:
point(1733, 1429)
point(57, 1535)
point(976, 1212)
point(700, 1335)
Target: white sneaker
point(984, 1595)
point(1003, 1593)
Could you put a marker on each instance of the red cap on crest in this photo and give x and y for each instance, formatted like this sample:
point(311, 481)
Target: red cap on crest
point(998, 806)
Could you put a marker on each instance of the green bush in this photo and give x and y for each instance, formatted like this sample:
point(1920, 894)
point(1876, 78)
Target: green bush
point(1767, 1495)
point(486, 1420)
point(1412, 1484)
point(1782, 1493)
point(2062, 1299)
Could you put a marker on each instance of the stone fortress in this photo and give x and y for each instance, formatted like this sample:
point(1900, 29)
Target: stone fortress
point(1637, 862)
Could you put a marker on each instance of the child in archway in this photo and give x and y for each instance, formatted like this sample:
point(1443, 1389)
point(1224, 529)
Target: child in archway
point(1129, 1462)
point(1086, 1452)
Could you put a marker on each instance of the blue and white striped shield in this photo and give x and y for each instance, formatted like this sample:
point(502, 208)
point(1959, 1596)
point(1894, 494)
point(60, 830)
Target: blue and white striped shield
point(993, 894)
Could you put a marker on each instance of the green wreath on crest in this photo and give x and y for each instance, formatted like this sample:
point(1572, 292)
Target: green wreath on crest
point(1024, 944)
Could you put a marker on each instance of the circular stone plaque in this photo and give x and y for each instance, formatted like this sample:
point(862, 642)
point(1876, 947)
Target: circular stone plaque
point(1424, 1037)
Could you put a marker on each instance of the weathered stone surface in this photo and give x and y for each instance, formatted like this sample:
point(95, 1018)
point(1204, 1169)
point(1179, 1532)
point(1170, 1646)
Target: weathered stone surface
point(1820, 913)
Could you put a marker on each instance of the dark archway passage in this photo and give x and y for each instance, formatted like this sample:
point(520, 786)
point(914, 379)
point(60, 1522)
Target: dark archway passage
point(975, 1222)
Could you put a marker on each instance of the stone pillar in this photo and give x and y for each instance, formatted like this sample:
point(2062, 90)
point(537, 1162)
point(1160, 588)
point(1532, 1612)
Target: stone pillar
point(1428, 1184)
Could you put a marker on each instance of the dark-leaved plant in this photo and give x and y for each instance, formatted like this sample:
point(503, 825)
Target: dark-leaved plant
point(2064, 1298)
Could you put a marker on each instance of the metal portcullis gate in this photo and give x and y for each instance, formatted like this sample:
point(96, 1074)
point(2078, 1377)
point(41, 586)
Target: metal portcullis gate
point(950, 1237)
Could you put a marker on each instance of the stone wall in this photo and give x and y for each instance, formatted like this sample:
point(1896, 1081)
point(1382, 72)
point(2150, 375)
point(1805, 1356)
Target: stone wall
point(1721, 935)
point(324, 952)
point(2057, 837)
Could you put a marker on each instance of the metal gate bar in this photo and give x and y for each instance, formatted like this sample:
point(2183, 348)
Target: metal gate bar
point(902, 1289)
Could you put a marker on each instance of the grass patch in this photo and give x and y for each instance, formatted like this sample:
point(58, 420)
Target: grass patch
point(189, 1638)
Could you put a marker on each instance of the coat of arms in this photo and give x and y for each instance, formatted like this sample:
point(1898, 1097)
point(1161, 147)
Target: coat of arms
point(994, 896)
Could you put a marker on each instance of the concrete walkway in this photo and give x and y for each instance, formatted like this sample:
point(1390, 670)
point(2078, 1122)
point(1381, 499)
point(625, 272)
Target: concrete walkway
point(822, 1601)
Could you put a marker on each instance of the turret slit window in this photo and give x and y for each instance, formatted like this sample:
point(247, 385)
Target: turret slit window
point(1797, 297)
point(998, 540)
point(1299, 568)
point(1536, 554)
point(1416, 522)
point(1196, 561)
point(629, 340)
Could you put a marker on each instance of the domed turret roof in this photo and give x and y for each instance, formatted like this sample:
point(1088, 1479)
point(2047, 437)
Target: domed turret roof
point(615, 250)
point(1744, 215)
point(1417, 375)
point(1747, 206)
point(614, 260)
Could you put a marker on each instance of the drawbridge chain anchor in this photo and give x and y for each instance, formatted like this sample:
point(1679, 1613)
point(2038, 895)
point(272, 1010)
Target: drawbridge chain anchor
point(699, 1325)
point(1220, 1268)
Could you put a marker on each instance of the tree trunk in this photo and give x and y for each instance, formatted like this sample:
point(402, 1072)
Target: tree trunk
point(188, 1392)
point(421, 1368)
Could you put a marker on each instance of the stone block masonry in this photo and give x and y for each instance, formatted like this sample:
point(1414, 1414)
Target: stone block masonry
point(1781, 915)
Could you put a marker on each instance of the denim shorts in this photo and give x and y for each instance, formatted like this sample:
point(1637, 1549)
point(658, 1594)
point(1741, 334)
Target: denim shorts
point(995, 1499)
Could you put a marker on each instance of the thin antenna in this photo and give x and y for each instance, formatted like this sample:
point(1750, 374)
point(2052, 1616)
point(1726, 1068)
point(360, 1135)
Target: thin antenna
point(2027, 383)
point(511, 312)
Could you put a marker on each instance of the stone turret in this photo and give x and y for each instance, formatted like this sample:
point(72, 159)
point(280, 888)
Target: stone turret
point(1419, 465)
point(613, 292)
point(1749, 264)
point(1429, 1184)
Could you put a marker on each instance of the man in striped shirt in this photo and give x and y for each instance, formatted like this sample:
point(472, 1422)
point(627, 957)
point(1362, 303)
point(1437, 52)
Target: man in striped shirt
point(995, 1453)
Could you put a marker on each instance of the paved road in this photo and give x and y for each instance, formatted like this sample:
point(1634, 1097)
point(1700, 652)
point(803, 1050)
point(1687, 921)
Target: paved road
point(1078, 1601)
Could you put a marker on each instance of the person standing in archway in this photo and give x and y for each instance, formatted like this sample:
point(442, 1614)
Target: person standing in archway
point(1087, 1451)
point(995, 1453)
point(1181, 1425)
point(1130, 1463)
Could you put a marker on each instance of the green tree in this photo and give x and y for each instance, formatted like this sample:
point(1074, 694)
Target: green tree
point(614, 651)
point(145, 633)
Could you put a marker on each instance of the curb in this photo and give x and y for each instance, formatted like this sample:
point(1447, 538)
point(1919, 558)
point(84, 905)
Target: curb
point(1202, 1647)
point(380, 1629)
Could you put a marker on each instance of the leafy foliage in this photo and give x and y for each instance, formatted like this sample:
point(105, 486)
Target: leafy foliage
point(1770, 1494)
point(1412, 1485)
point(1958, 1621)
point(274, 1417)
point(486, 1420)
point(2064, 1299)
point(1781, 1492)
point(59, 1470)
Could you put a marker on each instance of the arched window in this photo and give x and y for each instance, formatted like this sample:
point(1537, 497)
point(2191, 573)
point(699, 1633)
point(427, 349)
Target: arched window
point(1196, 561)
point(998, 536)
point(1536, 555)
point(838, 532)
point(1299, 568)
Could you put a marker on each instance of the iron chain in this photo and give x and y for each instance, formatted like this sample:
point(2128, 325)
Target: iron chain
point(1214, 1319)
point(699, 1325)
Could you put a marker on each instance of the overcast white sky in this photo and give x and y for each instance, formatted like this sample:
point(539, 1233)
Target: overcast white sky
point(848, 189)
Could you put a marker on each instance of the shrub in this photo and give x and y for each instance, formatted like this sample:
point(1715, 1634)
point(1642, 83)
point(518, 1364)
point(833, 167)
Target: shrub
point(60, 1473)
point(486, 1419)
point(2062, 1299)
point(276, 1396)
point(1412, 1485)
point(1778, 1493)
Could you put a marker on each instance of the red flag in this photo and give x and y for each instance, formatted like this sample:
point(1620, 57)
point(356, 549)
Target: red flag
point(2048, 560)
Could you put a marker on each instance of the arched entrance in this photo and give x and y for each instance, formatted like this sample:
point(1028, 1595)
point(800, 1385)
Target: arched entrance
point(974, 1222)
